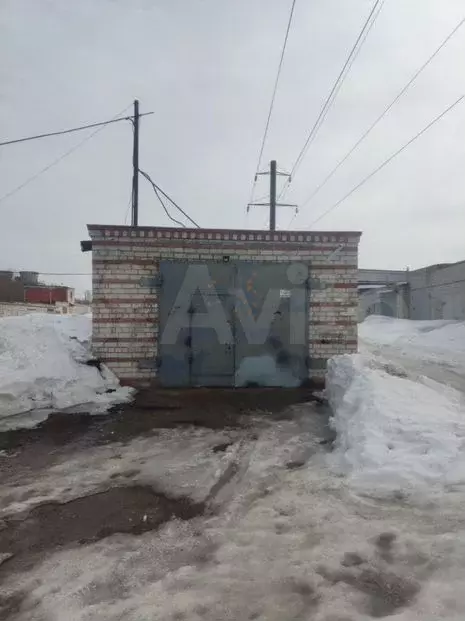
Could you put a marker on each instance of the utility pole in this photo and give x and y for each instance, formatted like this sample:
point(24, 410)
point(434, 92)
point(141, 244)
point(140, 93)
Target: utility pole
point(135, 167)
point(273, 172)
point(273, 195)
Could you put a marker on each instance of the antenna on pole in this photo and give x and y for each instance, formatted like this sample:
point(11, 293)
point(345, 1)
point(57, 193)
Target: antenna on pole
point(273, 173)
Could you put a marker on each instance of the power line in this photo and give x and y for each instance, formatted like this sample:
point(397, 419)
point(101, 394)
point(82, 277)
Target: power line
point(54, 273)
point(160, 200)
point(336, 86)
point(62, 157)
point(177, 206)
point(349, 67)
point(61, 273)
point(338, 83)
point(354, 57)
point(73, 129)
point(127, 209)
point(329, 102)
point(166, 210)
point(388, 160)
point(383, 114)
point(159, 191)
point(294, 216)
point(273, 97)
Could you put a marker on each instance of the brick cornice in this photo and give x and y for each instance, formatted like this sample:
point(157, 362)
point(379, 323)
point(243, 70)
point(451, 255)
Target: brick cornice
point(101, 231)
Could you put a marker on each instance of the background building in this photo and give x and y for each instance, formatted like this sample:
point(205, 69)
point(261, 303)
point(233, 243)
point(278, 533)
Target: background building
point(434, 292)
point(22, 292)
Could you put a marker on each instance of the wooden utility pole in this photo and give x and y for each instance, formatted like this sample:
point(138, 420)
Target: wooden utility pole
point(273, 172)
point(135, 167)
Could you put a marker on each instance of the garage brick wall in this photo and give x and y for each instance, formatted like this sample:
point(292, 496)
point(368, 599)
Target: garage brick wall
point(125, 303)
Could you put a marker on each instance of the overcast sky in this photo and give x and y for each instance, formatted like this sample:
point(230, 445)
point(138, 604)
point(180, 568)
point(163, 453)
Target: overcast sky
point(206, 69)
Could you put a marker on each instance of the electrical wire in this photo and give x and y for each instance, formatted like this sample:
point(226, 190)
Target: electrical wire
point(166, 210)
point(159, 191)
point(336, 92)
point(128, 208)
point(349, 66)
point(292, 219)
point(383, 114)
point(273, 97)
point(261, 198)
point(170, 199)
point(333, 97)
point(73, 129)
point(155, 189)
point(361, 38)
point(62, 157)
point(59, 273)
point(338, 83)
point(176, 205)
point(388, 160)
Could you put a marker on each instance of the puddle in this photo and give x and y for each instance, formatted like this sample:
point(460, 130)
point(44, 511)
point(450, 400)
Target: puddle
point(32, 535)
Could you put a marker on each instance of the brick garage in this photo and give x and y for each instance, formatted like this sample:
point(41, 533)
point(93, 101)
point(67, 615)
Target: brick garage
point(127, 289)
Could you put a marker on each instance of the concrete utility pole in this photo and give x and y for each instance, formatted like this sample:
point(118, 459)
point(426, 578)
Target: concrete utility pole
point(273, 195)
point(272, 204)
point(135, 167)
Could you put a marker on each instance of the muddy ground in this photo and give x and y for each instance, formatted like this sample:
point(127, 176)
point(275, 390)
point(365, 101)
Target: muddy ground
point(167, 409)
point(26, 538)
point(135, 509)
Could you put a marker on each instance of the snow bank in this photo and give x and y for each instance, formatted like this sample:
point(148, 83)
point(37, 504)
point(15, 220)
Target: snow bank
point(420, 349)
point(42, 368)
point(392, 432)
point(435, 339)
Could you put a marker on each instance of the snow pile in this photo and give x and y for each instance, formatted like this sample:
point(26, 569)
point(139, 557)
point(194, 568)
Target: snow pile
point(394, 433)
point(436, 340)
point(433, 349)
point(42, 368)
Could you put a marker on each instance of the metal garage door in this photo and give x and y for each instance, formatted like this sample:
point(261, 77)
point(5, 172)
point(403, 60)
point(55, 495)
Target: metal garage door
point(271, 325)
point(196, 338)
point(231, 324)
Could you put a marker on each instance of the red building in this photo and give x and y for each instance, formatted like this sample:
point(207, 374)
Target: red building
point(45, 294)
